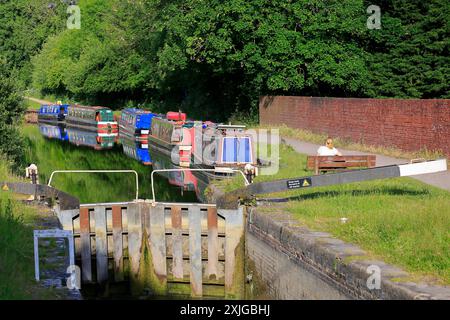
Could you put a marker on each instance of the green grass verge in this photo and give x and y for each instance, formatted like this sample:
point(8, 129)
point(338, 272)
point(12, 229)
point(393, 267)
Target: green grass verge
point(16, 247)
point(31, 104)
point(401, 221)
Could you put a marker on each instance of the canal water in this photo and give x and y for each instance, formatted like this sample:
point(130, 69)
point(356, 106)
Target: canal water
point(50, 152)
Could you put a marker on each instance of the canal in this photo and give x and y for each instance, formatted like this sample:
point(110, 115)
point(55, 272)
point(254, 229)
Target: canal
point(51, 154)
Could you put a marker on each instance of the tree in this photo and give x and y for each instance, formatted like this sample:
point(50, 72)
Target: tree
point(11, 110)
point(25, 26)
point(410, 54)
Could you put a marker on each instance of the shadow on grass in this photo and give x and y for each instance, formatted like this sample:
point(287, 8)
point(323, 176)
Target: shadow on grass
point(354, 193)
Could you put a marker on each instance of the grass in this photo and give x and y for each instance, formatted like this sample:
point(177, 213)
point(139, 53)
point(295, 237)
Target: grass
point(308, 136)
point(401, 220)
point(32, 104)
point(16, 246)
point(50, 155)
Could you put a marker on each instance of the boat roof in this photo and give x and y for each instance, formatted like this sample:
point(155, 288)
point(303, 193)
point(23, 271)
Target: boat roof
point(137, 111)
point(54, 105)
point(90, 107)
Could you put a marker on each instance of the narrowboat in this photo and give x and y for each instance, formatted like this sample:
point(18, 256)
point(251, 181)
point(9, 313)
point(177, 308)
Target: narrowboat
point(134, 149)
point(136, 123)
point(53, 132)
point(199, 144)
point(98, 119)
point(224, 146)
point(53, 113)
point(170, 134)
point(95, 140)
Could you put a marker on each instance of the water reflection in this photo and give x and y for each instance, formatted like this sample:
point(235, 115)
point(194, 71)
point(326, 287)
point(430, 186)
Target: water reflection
point(187, 183)
point(92, 139)
point(54, 132)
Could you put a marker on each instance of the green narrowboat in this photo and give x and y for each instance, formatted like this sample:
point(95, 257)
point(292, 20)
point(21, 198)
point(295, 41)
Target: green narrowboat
point(98, 119)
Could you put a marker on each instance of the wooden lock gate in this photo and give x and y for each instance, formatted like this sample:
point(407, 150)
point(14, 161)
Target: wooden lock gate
point(168, 248)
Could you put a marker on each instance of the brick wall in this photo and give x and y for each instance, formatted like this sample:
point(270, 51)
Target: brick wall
point(31, 116)
point(407, 124)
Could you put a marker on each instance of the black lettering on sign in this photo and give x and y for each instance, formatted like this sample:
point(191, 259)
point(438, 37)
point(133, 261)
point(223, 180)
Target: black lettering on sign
point(299, 183)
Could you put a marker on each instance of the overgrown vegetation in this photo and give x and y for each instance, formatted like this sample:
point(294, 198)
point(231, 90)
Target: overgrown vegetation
point(11, 109)
point(16, 246)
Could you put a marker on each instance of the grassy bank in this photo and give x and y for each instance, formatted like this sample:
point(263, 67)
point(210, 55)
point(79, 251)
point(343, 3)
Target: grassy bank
point(29, 104)
point(16, 246)
point(401, 221)
point(51, 155)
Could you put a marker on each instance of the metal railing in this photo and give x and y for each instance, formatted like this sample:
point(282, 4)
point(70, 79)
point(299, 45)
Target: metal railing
point(98, 171)
point(219, 170)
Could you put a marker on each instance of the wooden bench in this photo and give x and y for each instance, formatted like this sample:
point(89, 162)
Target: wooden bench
point(327, 163)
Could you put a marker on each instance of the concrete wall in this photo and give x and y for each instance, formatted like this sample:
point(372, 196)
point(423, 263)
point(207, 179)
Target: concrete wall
point(407, 124)
point(297, 263)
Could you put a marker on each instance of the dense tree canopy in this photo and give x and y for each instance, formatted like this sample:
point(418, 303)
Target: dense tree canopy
point(212, 58)
point(24, 26)
point(11, 108)
point(409, 57)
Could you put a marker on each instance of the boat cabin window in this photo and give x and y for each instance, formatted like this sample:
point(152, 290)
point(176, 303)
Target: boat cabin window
point(236, 149)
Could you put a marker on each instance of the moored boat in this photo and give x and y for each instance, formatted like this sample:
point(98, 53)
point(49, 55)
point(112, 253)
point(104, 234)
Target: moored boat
point(52, 113)
point(200, 144)
point(171, 135)
point(136, 123)
point(98, 119)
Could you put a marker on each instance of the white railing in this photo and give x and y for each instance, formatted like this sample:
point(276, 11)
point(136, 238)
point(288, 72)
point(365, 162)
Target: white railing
point(218, 170)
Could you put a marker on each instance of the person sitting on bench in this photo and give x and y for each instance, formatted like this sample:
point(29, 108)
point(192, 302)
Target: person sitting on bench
point(328, 149)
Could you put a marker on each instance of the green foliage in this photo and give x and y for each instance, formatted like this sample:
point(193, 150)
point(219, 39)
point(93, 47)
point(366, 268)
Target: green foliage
point(11, 109)
point(214, 59)
point(208, 60)
point(26, 24)
point(410, 54)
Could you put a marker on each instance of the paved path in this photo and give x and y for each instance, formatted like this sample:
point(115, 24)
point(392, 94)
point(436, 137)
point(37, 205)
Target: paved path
point(38, 100)
point(440, 179)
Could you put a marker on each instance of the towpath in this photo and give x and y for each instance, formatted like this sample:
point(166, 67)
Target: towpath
point(40, 101)
point(440, 179)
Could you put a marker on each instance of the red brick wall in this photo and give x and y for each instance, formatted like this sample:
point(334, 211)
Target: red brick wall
point(407, 124)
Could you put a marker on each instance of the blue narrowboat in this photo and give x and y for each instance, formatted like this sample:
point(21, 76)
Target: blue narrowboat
point(53, 113)
point(136, 123)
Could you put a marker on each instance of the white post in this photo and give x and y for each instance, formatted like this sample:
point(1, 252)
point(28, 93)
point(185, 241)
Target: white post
point(36, 257)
